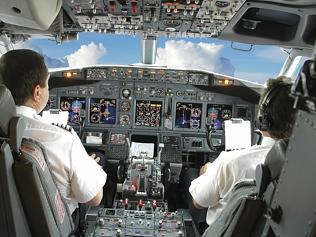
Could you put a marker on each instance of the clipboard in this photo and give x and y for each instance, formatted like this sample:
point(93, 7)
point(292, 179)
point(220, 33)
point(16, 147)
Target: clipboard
point(237, 134)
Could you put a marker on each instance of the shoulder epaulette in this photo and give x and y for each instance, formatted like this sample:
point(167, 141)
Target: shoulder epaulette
point(63, 126)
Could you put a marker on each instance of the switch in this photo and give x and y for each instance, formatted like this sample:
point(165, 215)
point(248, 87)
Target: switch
point(140, 204)
point(154, 205)
point(126, 203)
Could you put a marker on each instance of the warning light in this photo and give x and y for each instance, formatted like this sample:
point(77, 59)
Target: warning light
point(69, 74)
point(225, 82)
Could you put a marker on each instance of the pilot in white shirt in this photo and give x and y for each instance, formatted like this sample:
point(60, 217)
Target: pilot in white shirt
point(210, 189)
point(217, 179)
point(78, 177)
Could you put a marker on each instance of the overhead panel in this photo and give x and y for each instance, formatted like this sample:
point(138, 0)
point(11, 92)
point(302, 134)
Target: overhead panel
point(180, 18)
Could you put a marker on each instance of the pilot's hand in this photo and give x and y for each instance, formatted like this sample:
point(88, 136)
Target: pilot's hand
point(95, 157)
point(204, 168)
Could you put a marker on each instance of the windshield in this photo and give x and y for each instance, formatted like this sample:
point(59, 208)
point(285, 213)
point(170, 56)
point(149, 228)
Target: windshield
point(257, 65)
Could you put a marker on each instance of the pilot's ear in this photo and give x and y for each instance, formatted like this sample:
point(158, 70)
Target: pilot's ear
point(37, 93)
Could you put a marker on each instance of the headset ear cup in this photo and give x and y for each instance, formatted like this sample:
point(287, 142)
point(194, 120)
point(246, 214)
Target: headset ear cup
point(265, 122)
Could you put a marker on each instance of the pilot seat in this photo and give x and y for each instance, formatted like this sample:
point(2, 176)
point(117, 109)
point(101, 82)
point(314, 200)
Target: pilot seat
point(30, 202)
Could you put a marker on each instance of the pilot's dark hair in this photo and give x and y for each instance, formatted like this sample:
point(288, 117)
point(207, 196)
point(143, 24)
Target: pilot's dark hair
point(21, 71)
point(276, 108)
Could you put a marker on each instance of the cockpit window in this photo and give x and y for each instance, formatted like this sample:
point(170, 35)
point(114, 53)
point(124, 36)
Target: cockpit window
point(257, 65)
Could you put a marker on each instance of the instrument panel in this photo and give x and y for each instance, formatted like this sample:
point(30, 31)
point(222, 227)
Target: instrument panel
point(175, 103)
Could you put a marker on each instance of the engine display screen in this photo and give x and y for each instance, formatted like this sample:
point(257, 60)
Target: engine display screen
point(76, 106)
point(216, 114)
point(102, 111)
point(188, 115)
point(117, 138)
point(148, 113)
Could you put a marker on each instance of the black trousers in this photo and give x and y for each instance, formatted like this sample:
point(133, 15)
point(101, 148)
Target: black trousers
point(198, 215)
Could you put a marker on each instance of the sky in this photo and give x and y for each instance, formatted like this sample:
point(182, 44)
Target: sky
point(258, 65)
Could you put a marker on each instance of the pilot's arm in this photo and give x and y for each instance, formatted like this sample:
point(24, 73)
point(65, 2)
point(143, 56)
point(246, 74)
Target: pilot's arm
point(207, 188)
point(96, 200)
point(88, 178)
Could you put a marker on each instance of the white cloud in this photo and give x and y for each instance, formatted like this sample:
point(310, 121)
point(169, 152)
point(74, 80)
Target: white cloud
point(274, 54)
point(86, 55)
point(259, 77)
point(182, 54)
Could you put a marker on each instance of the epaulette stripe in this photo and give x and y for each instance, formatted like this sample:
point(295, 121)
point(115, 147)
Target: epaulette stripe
point(63, 126)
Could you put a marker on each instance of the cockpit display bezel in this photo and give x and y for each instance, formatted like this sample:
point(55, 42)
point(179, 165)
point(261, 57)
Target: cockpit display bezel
point(218, 121)
point(81, 113)
point(112, 124)
point(201, 115)
point(135, 125)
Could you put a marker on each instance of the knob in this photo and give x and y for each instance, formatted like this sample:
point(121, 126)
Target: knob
point(140, 221)
point(120, 221)
point(179, 93)
point(148, 223)
point(160, 223)
point(101, 221)
point(118, 232)
point(179, 224)
point(132, 223)
point(180, 233)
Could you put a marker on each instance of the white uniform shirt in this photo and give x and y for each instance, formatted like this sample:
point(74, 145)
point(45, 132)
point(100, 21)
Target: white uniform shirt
point(210, 189)
point(78, 177)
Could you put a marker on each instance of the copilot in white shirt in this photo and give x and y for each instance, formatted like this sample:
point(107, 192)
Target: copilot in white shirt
point(210, 189)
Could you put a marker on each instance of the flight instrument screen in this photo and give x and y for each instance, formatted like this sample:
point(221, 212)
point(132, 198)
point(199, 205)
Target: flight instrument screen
point(76, 107)
point(188, 115)
point(216, 114)
point(148, 113)
point(102, 111)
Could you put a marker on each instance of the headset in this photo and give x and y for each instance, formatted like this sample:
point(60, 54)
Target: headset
point(265, 121)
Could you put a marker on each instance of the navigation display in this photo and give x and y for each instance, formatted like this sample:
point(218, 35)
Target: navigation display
point(76, 106)
point(102, 111)
point(188, 115)
point(148, 113)
point(216, 114)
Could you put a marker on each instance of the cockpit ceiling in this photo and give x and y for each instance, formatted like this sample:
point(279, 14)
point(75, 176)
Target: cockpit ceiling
point(289, 23)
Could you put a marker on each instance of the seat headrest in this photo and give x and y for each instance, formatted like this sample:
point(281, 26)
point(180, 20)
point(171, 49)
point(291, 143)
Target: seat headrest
point(276, 157)
point(7, 108)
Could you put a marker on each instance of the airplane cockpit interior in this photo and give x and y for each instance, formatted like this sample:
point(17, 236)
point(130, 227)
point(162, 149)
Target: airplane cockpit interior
point(150, 123)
